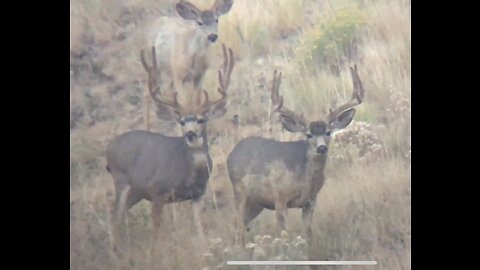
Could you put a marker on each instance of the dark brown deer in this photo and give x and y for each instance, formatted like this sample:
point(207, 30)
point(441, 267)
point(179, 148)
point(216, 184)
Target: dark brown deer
point(278, 175)
point(163, 169)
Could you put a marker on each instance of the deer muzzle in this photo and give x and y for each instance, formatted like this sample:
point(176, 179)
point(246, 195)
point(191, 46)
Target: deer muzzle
point(212, 37)
point(322, 149)
point(191, 136)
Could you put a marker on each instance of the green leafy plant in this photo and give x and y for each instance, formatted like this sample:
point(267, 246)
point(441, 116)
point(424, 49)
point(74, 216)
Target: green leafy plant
point(334, 40)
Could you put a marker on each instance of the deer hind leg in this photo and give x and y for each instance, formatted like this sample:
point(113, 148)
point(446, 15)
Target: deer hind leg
point(246, 212)
point(240, 206)
point(122, 192)
point(251, 211)
point(146, 112)
point(118, 211)
point(197, 82)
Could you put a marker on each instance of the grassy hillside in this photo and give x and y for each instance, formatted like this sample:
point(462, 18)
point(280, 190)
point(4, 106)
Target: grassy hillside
point(363, 211)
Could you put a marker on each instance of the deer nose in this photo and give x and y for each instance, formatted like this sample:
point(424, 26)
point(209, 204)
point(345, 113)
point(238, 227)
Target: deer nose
point(191, 135)
point(322, 149)
point(212, 38)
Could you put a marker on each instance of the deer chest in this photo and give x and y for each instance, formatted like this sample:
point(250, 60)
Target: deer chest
point(199, 63)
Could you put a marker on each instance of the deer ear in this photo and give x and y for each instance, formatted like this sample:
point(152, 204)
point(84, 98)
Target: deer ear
point(187, 10)
point(343, 119)
point(166, 113)
point(217, 110)
point(292, 125)
point(221, 7)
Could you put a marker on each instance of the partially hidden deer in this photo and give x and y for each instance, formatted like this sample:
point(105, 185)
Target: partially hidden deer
point(183, 44)
point(278, 175)
point(164, 169)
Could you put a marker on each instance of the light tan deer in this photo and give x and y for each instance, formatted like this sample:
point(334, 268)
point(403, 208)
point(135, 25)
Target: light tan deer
point(164, 169)
point(182, 44)
point(299, 164)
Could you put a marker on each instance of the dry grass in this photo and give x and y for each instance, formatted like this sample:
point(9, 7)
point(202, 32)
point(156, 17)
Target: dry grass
point(363, 211)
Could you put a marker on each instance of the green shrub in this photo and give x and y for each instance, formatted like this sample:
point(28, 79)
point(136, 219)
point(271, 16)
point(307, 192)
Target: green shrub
point(334, 40)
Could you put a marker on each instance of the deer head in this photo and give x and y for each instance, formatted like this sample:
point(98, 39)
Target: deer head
point(193, 120)
point(207, 20)
point(318, 133)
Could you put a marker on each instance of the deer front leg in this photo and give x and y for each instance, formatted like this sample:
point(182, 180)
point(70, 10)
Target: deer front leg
point(171, 89)
point(281, 214)
point(240, 209)
point(157, 211)
point(307, 215)
point(180, 73)
point(146, 112)
point(197, 80)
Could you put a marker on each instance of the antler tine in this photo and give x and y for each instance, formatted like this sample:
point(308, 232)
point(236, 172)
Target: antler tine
point(207, 100)
point(153, 87)
point(357, 95)
point(144, 63)
point(223, 77)
point(358, 90)
point(152, 83)
point(277, 99)
point(226, 72)
point(225, 60)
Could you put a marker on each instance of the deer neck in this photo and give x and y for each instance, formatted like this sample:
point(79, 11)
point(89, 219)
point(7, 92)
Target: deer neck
point(196, 45)
point(315, 167)
point(200, 154)
point(202, 166)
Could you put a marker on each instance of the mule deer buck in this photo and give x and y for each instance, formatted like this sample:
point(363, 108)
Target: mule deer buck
point(299, 164)
point(182, 44)
point(163, 169)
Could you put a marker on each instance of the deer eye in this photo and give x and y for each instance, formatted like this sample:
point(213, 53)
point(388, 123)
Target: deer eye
point(200, 121)
point(216, 20)
point(328, 133)
point(309, 135)
point(182, 122)
point(199, 23)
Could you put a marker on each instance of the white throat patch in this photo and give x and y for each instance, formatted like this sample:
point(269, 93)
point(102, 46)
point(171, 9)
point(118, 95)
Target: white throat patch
point(199, 158)
point(198, 142)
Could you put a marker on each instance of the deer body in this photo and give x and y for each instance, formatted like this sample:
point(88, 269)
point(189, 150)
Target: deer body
point(256, 155)
point(164, 169)
point(183, 46)
point(182, 54)
point(277, 175)
point(155, 165)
